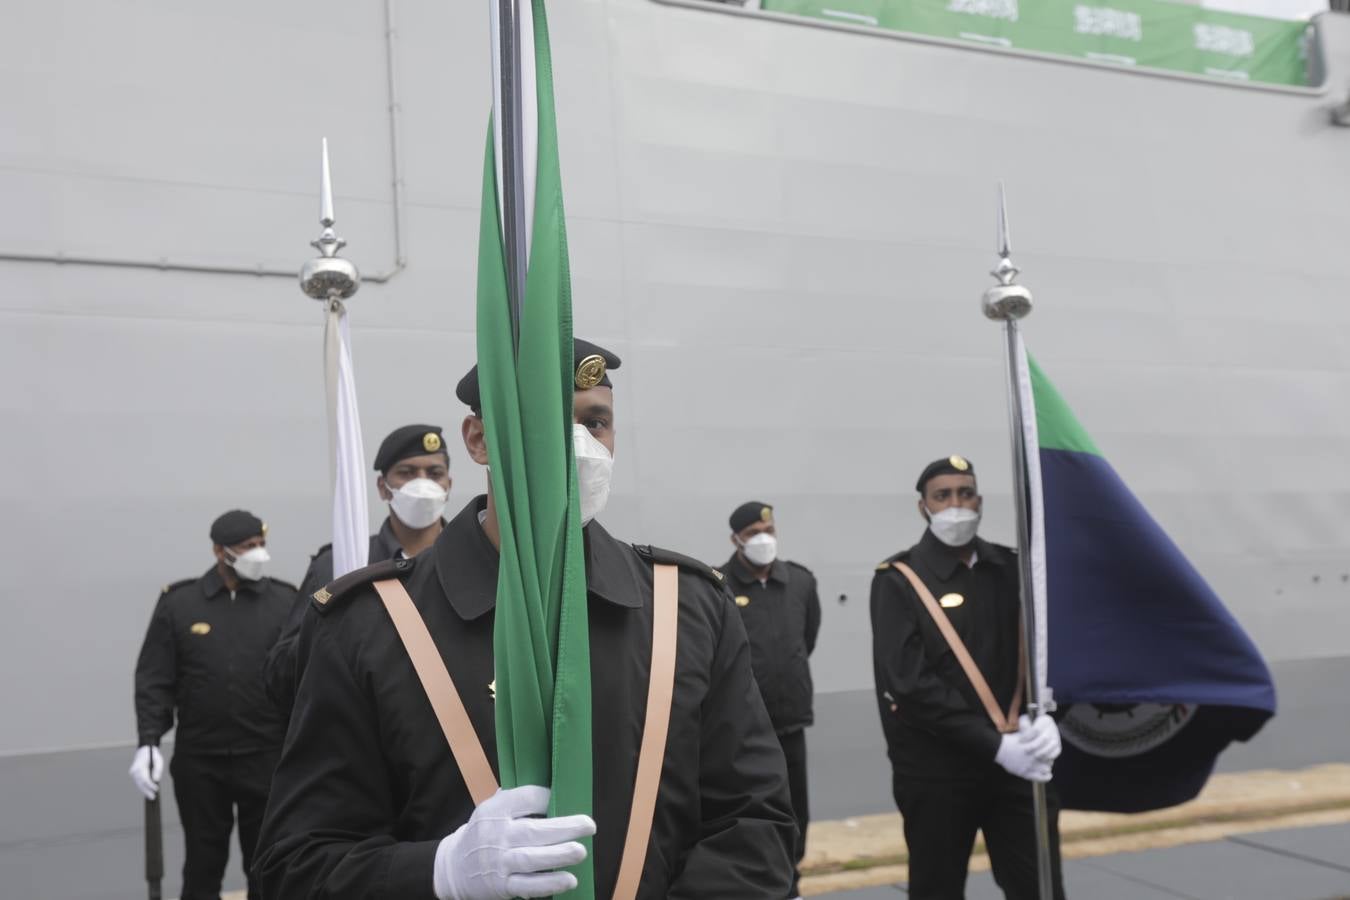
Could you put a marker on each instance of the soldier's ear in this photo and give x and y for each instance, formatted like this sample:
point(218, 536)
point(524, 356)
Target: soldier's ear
point(382, 487)
point(475, 439)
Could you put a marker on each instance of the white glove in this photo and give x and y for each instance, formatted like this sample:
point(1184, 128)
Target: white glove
point(500, 853)
point(1040, 737)
point(1014, 756)
point(147, 766)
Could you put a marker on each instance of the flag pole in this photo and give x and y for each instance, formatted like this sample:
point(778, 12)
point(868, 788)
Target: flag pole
point(510, 122)
point(1008, 302)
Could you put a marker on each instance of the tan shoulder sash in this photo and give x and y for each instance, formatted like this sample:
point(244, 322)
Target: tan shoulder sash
point(652, 756)
point(468, 750)
point(1004, 723)
point(440, 690)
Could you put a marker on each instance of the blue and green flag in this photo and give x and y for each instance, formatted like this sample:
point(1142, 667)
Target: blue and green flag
point(1154, 674)
point(541, 641)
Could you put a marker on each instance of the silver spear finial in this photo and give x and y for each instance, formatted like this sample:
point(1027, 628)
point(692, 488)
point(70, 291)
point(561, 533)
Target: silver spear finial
point(328, 276)
point(326, 192)
point(1006, 300)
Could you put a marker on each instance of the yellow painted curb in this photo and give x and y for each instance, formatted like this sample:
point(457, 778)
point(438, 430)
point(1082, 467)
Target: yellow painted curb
point(866, 851)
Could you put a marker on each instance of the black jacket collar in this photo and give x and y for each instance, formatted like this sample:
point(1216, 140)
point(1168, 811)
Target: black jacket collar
point(387, 541)
point(466, 565)
point(737, 569)
point(944, 561)
point(212, 584)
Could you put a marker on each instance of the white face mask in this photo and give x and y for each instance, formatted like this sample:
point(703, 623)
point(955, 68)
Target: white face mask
point(760, 550)
point(595, 465)
point(955, 526)
point(249, 564)
point(419, 502)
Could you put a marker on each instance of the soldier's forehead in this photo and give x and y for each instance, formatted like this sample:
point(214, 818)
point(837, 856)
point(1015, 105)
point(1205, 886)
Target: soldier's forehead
point(425, 459)
point(596, 398)
point(950, 480)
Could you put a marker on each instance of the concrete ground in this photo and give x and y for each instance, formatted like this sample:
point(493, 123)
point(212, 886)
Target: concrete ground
point(70, 823)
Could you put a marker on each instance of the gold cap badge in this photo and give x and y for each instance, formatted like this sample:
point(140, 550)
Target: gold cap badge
point(766, 513)
point(264, 529)
point(431, 442)
point(590, 372)
point(951, 601)
point(958, 463)
point(742, 600)
point(201, 627)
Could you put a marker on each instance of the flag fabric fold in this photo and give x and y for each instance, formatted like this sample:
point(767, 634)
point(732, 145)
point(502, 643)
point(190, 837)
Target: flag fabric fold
point(1153, 675)
point(541, 638)
point(351, 516)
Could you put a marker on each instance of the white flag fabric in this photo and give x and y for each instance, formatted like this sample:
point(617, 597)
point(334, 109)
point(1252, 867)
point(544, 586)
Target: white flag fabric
point(1036, 509)
point(351, 517)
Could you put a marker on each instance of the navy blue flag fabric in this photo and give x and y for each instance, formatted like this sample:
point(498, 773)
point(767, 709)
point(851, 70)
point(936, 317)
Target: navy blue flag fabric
point(1153, 676)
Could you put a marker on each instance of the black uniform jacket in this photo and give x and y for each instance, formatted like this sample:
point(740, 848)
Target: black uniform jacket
point(366, 786)
point(280, 673)
point(934, 723)
point(204, 653)
point(782, 618)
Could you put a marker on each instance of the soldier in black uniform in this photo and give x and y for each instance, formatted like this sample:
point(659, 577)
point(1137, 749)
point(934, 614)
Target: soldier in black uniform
point(368, 801)
point(414, 479)
point(203, 658)
point(781, 611)
point(955, 769)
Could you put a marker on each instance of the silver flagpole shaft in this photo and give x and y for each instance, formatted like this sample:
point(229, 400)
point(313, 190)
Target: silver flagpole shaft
point(1008, 302)
point(511, 116)
point(1022, 506)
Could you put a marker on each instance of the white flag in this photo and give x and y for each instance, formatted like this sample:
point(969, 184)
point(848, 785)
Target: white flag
point(351, 518)
point(1036, 511)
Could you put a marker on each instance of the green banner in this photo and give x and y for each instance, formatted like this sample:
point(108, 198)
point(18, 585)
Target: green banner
point(1154, 34)
point(541, 642)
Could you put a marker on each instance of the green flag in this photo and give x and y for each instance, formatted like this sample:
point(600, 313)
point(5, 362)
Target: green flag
point(541, 642)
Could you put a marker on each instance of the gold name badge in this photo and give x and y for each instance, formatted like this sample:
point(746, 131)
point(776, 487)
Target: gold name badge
point(742, 600)
point(951, 601)
point(201, 627)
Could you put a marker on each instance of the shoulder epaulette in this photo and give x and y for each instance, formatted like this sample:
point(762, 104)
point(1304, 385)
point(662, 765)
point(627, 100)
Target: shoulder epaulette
point(797, 565)
point(320, 552)
point(328, 596)
point(671, 558)
point(886, 563)
point(177, 584)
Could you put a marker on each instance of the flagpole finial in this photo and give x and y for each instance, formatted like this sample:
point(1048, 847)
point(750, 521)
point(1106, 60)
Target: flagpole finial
point(326, 191)
point(1006, 300)
point(328, 276)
